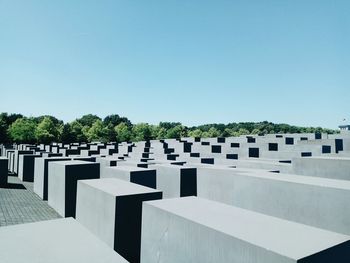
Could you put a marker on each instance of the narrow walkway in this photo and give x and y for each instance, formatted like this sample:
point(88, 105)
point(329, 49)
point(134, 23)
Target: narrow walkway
point(19, 204)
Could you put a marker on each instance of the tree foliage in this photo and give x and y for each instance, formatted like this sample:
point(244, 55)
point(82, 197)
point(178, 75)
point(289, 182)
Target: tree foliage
point(47, 129)
point(23, 130)
point(123, 132)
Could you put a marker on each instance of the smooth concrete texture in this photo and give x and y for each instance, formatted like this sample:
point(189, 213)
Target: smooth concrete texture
point(26, 167)
point(41, 174)
point(3, 171)
point(192, 230)
point(54, 241)
point(17, 153)
point(62, 183)
point(49, 154)
point(176, 180)
point(112, 209)
point(141, 176)
point(105, 162)
point(318, 202)
point(329, 167)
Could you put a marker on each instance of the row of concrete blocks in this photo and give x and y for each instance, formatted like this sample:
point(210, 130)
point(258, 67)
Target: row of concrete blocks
point(282, 165)
point(181, 230)
point(171, 188)
point(176, 230)
point(225, 149)
point(334, 166)
point(272, 194)
point(95, 218)
point(220, 185)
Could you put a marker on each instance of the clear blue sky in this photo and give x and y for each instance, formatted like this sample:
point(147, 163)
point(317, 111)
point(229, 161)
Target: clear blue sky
point(190, 61)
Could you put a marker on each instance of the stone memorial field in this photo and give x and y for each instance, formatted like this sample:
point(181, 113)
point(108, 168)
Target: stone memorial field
point(247, 199)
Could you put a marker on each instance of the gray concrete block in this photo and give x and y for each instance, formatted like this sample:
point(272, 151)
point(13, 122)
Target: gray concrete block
point(17, 153)
point(195, 230)
point(41, 174)
point(112, 210)
point(26, 167)
point(54, 241)
point(3, 171)
point(176, 180)
point(141, 176)
point(62, 183)
point(318, 202)
point(329, 167)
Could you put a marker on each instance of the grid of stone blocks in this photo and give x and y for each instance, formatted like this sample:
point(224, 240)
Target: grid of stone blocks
point(273, 198)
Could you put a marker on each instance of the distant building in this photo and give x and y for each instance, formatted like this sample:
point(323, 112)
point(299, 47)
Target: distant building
point(344, 128)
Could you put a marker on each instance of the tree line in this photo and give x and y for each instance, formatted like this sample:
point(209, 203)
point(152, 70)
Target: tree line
point(46, 129)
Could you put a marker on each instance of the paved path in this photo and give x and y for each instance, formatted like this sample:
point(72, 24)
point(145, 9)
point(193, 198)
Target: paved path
point(19, 204)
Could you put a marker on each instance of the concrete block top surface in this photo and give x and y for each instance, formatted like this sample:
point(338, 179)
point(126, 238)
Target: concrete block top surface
point(284, 237)
point(54, 241)
point(118, 187)
point(173, 167)
point(55, 158)
point(291, 178)
point(74, 162)
point(335, 158)
point(129, 168)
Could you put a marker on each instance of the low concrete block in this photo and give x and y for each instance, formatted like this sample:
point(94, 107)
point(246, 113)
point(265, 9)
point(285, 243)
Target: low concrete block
point(141, 176)
point(112, 209)
point(26, 167)
point(17, 153)
point(3, 171)
point(192, 230)
point(54, 241)
point(329, 167)
point(41, 174)
point(62, 183)
point(318, 202)
point(176, 180)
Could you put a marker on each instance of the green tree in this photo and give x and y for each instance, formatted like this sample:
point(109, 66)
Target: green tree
point(176, 132)
point(23, 130)
point(197, 133)
point(169, 125)
point(213, 132)
point(3, 130)
point(227, 132)
point(109, 133)
point(243, 131)
point(141, 132)
point(97, 132)
point(255, 131)
point(11, 118)
point(66, 135)
point(46, 131)
point(88, 120)
point(77, 134)
point(161, 134)
point(123, 132)
point(115, 119)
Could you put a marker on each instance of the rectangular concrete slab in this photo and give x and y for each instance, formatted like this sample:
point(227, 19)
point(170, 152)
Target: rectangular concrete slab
point(318, 202)
point(62, 183)
point(328, 167)
point(41, 174)
point(192, 230)
point(3, 171)
point(26, 164)
point(176, 180)
point(141, 176)
point(54, 241)
point(112, 209)
point(17, 153)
